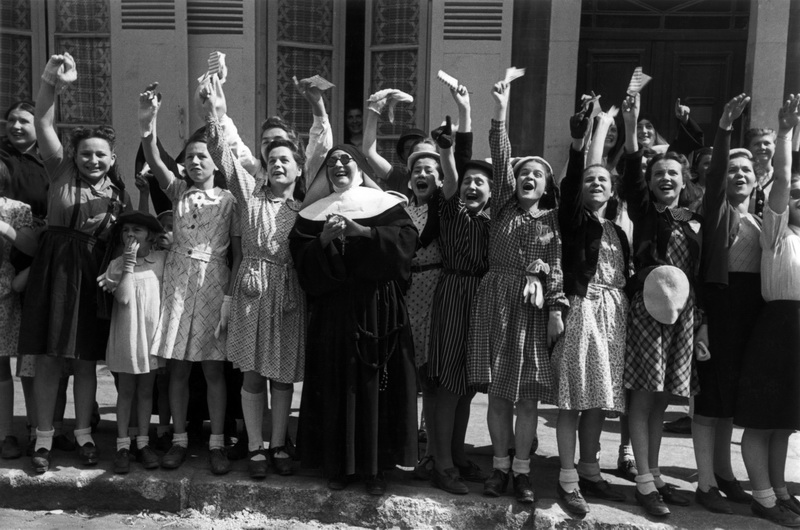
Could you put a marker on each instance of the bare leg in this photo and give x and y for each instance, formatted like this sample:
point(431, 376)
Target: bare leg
point(525, 428)
point(500, 419)
point(179, 393)
point(126, 390)
point(144, 401)
point(704, 436)
point(566, 437)
point(216, 397)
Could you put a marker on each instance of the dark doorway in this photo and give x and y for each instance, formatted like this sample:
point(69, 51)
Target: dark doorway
point(694, 51)
point(354, 60)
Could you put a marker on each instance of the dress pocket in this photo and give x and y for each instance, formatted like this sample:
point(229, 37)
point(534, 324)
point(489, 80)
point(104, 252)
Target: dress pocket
point(251, 282)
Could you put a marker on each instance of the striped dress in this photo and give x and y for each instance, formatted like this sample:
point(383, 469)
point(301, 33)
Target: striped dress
point(464, 244)
point(508, 337)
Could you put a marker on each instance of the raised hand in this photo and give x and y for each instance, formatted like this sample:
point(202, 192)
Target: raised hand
point(682, 111)
point(149, 103)
point(630, 110)
point(304, 87)
point(732, 110)
point(579, 123)
point(129, 254)
point(141, 183)
point(789, 114)
point(461, 96)
point(501, 92)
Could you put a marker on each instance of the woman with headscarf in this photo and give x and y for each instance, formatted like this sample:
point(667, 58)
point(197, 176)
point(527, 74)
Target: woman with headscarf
point(353, 250)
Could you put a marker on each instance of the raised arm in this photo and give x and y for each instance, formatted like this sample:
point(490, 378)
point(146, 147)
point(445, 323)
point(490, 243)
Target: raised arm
point(634, 190)
point(463, 148)
point(60, 70)
point(149, 103)
point(570, 209)
point(690, 134)
point(320, 136)
point(503, 184)
point(594, 155)
point(369, 145)
point(716, 177)
point(788, 118)
point(448, 151)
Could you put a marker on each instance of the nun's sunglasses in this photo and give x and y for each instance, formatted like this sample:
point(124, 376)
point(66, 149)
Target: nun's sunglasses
point(794, 194)
point(344, 159)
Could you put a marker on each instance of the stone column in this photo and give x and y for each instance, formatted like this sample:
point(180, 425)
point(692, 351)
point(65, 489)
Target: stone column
point(765, 69)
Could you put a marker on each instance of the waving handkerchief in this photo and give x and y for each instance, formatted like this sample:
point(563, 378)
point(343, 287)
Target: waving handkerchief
point(390, 97)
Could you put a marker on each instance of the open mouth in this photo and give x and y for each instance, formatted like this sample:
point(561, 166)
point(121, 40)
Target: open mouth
point(528, 186)
point(340, 173)
point(421, 184)
point(471, 195)
point(666, 186)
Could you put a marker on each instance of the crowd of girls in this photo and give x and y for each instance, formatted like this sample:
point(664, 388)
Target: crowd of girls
point(635, 277)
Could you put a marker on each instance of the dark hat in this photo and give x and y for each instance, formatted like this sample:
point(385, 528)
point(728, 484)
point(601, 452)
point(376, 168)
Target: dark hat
point(136, 217)
point(481, 165)
point(408, 134)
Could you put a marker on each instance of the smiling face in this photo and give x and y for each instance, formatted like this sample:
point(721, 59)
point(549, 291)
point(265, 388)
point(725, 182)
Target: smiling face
point(20, 130)
point(199, 166)
point(342, 169)
point(702, 167)
point(271, 134)
point(282, 168)
point(596, 189)
point(475, 190)
point(354, 121)
point(531, 181)
point(762, 147)
point(94, 158)
point(141, 234)
point(645, 133)
point(666, 181)
point(425, 179)
point(741, 179)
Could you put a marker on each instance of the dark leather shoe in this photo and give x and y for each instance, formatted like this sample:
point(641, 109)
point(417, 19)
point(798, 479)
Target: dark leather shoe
point(573, 501)
point(778, 514)
point(791, 504)
point(257, 468)
point(523, 490)
point(626, 467)
point(41, 460)
point(10, 449)
point(148, 457)
point(496, 484)
point(682, 425)
point(449, 481)
point(88, 454)
point(652, 504)
point(423, 469)
point(712, 501)
point(672, 495)
point(601, 490)
point(218, 461)
point(375, 484)
point(282, 465)
point(174, 457)
point(733, 490)
point(122, 461)
point(471, 472)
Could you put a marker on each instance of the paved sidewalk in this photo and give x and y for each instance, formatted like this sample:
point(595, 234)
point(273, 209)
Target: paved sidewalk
point(408, 503)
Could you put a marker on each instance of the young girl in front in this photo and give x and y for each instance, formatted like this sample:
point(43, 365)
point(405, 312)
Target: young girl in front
point(196, 295)
point(59, 317)
point(662, 330)
point(135, 280)
point(513, 318)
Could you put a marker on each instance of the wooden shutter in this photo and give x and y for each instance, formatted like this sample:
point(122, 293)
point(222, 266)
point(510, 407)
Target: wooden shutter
point(304, 38)
point(474, 46)
point(396, 56)
point(148, 44)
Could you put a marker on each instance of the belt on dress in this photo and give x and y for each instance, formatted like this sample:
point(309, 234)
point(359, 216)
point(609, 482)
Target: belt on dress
point(428, 267)
point(268, 260)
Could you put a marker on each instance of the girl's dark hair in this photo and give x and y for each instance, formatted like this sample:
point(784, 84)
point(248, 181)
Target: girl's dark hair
point(688, 195)
point(698, 155)
point(27, 106)
point(615, 153)
point(276, 122)
point(299, 157)
point(199, 137)
point(552, 195)
point(612, 206)
point(104, 132)
point(5, 178)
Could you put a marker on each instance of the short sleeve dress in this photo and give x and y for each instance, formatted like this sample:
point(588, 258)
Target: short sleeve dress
point(196, 274)
point(133, 326)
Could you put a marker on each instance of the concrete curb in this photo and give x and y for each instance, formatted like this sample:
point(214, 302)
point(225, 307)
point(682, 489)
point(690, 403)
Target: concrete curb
point(407, 504)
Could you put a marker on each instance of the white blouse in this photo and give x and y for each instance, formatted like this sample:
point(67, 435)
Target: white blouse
point(780, 259)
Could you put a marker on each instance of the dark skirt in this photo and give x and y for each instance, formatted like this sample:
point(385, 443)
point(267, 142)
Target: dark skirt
point(59, 317)
point(732, 312)
point(768, 395)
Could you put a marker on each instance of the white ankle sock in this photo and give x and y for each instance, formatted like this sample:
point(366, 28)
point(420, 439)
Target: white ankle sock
point(656, 472)
point(782, 493)
point(44, 439)
point(83, 436)
point(521, 467)
point(502, 463)
point(181, 439)
point(216, 441)
point(142, 441)
point(765, 498)
point(645, 484)
point(568, 479)
point(124, 443)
